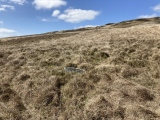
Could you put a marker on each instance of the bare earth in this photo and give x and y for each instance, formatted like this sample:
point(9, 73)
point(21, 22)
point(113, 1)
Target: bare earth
point(121, 79)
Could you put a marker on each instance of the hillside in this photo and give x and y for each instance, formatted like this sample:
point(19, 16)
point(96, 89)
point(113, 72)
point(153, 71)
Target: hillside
point(120, 78)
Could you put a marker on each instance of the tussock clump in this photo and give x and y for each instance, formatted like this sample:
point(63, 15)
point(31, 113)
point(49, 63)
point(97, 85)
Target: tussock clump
point(5, 98)
point(1, 55)
point(71, 65)
point(100, 108)
point(19, 106)
point(2, 62)
point(140, 112)
point(11, 105)
point(138, 63)
point(80, 87)
point(106, 78)
point(145, 94)
point(48, 98)
point(93, 75)
point(24, 77)
point(109, 68)
point(154, 70)
point(104, 54)
point(86, 66)
point(150, 113)
point(17, 63)
point(156, 58)
point(131, 50)
point(93, 51)
point(117, 60)
point(7, 94)
point(45, 63)
point(51, 94)
point(1, 118)
point(128, 72)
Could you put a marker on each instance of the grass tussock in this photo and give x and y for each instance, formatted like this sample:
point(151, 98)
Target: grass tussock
point(120, 78)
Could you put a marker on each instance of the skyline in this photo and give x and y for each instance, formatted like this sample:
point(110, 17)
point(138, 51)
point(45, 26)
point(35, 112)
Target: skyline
point(27, 17)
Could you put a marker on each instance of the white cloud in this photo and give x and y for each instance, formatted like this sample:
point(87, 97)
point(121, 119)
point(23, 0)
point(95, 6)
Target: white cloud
point(3, 0)
point(48, 4)
point(20, 2)
point(56, 13)
point(77, 15)
point(4, 7)
point(156, 8)
point(147, 16)
point(45, 20)
point(86, 26)
point(4, 32)
point(1, 22)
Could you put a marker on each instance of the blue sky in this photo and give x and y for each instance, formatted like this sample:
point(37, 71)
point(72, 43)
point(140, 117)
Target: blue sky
point(24, 17)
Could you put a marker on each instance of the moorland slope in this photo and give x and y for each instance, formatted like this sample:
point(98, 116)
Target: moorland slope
point(121, 80)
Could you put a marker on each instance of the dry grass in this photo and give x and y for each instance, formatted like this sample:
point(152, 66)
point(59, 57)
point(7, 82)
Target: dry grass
point(120, 82)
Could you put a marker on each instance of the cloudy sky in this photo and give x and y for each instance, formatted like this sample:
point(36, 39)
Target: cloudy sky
point(24, 17)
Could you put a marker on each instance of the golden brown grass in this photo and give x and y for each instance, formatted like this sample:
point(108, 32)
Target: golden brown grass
point(121, 79)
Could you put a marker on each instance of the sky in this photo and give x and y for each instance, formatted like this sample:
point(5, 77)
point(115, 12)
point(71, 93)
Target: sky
point(27, 17)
